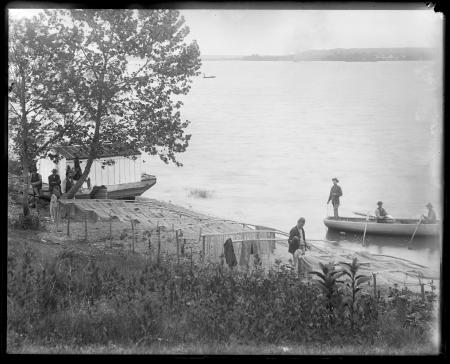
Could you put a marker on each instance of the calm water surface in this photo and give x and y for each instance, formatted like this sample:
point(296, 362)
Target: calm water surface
point(267, 137)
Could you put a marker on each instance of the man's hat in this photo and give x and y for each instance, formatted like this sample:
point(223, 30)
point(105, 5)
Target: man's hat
point(54, 170)
point(335, 179)
point(429, 205)
point(379, 203)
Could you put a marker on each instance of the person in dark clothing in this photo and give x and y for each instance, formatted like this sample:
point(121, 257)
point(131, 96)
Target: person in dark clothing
point(69, 178)
point(335, 193)
point(230, 257)
point(54, 183)
point(36, 182)
point(297, 237)
point(77, 172)
point(431, 218)
point(297, 242)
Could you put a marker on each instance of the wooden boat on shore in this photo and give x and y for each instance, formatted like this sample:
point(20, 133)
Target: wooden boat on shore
point(399, 227)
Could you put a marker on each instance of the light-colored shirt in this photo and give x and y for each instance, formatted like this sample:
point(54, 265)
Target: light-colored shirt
point(302, 238)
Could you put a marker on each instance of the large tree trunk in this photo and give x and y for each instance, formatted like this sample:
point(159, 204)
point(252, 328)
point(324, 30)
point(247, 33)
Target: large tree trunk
point(26, 185)
point(92, 155)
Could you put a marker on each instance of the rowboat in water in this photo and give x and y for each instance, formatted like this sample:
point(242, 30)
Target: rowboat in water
point(398, 227)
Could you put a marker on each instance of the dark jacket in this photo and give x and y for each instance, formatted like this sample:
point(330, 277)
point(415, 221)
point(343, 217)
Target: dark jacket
point(36, 177)
point(335, 199)
point(230, 257)
point(54, 180)
point(294, 244)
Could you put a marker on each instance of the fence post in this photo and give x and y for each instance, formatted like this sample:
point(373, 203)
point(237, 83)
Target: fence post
point(85, 227)
point(57, 216)
point(132, 232)
point(374, 285)
point(183, 247)
point(110, 229)
point(68, 220)
point(203, 247)
point(191, 258)
point(178, 247)
point(159, 242)
point(422, 290)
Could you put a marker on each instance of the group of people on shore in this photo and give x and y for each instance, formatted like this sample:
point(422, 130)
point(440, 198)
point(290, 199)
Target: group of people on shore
point(54, 180)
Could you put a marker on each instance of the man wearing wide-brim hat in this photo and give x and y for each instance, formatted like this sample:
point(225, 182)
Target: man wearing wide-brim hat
point(335, 193)
point(54, 183)
point(431, 218)
point(381, 213)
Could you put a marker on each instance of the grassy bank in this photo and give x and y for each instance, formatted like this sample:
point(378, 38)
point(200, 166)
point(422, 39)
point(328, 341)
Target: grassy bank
point(100, 301)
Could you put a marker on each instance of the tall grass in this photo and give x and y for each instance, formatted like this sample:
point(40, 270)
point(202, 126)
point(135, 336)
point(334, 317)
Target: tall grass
point(77, 301)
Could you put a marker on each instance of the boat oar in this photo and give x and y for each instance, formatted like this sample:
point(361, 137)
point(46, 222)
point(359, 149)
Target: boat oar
point(365, 229)
point(364, 214)
point(414, 233)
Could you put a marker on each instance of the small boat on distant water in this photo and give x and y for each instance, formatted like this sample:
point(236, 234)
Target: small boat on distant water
point(398, 227)
point(204, 76)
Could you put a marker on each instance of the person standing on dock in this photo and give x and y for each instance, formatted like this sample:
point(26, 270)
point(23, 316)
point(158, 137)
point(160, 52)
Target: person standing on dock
point(431, 218)
point(297, 242)
point(335, 193)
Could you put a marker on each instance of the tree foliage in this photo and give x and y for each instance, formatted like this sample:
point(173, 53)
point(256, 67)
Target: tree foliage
point(128, 67)
point(38, 114)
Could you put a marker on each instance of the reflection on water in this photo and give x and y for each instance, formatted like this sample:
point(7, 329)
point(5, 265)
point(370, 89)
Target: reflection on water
point(267, 137)
point(423, 250)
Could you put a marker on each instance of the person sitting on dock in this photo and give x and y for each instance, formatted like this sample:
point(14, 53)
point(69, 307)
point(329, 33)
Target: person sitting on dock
point(54, 183)
point(335, 193)
point(431, 218)
point(381, 213)
point(297, 242)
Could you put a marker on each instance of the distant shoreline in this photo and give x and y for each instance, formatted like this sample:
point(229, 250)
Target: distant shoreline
point(340, 54)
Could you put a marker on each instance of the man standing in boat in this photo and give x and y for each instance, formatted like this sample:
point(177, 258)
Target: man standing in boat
point(431, 218)
point(335, 193)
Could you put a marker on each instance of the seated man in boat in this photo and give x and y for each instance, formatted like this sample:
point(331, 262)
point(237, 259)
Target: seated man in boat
point(381, 214)
point(431, 218)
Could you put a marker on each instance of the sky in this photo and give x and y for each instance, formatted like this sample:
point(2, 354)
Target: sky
point(278, 32)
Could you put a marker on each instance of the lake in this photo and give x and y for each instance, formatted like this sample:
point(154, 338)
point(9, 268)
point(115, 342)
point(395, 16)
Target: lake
point(267, 137)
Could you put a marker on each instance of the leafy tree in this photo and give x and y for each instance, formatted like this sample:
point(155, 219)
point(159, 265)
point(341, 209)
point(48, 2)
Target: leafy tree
point(39, 113)
point(128, 66)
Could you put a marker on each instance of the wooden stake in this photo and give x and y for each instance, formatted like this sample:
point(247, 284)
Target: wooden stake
point(203, 247)
point(159, 243)
point(110, 230)
point(374, 285)
point(132, 232)
point(57, 215)
point(85, 227)
point(178, 247)
point(191, 258)
point(422, 291)
point(68, 222)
